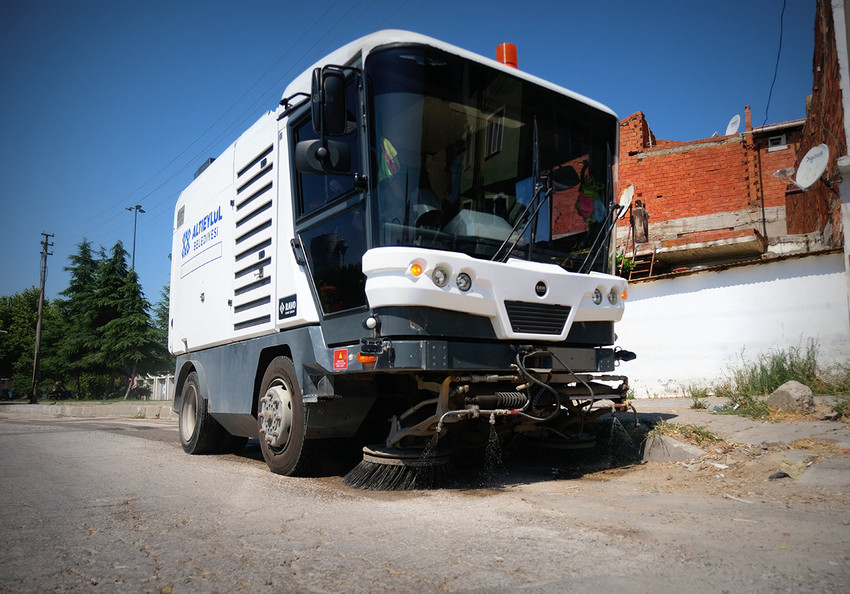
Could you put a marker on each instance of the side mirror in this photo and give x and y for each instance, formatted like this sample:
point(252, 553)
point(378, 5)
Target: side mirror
point(312, 156)
point(328, 101)
point(564, 178)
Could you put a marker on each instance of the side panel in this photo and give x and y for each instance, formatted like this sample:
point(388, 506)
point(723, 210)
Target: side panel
point(234, 275)
point(255, 233)
point(294, 305)
point(200, 254)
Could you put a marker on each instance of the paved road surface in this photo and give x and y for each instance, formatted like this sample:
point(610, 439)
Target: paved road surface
point(115, 505)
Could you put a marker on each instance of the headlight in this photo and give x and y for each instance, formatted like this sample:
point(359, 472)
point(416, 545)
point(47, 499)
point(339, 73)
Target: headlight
point(440, 277)
point(597, 296)
point(613, 295)
point(464, 282)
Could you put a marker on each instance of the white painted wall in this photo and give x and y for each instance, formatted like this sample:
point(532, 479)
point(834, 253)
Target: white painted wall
point(691, 329)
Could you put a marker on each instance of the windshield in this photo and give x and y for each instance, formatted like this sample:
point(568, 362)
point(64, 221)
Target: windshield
point(461, 155)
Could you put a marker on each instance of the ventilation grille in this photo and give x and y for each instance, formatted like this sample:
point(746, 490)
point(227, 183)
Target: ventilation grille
point(537, 318)
point(252, 262)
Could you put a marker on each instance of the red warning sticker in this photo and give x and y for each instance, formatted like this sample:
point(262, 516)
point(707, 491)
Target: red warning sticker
point(341, 359)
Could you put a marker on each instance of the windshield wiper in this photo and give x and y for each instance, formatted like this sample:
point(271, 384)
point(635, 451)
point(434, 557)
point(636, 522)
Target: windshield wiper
point(608, 225)
point(535, 201)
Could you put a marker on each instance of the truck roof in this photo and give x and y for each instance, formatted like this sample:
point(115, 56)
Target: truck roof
point(363, 46)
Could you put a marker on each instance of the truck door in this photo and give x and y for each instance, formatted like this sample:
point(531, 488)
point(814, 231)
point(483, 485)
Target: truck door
point(331, 218)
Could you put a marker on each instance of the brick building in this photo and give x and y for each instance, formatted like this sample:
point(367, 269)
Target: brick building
point(722, 200)
point(744, 262)
point(710, 201)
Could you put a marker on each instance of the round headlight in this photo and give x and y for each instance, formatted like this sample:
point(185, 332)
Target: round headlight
point(597, 296)
point(464, 281)
point(613, 295)
point(440, 277)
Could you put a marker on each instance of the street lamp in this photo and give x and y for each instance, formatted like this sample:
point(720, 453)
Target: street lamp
point(136, 210)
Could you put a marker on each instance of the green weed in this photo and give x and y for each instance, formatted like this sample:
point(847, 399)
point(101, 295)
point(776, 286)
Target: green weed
point(697, 394)
point(768, 371)
point(687, 432)
point(752, 380)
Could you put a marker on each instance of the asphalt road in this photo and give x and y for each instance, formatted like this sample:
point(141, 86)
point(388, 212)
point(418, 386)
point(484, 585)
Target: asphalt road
point(116, 506)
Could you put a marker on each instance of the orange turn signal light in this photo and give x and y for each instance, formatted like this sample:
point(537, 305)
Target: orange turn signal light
point(624, 295)
point(415, 269)
point(366, 358)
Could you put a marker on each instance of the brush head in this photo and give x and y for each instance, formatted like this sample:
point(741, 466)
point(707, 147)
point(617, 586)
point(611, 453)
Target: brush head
point(569, 454)
point(390, 469)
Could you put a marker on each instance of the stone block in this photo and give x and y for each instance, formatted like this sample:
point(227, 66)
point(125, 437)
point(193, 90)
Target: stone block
point(792, 396)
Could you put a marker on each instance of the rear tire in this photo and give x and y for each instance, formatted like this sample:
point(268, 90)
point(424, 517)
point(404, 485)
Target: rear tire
point(282, 421)
point(199, 432)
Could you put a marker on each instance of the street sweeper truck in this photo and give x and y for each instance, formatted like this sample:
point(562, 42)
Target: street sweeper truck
point(412, 253)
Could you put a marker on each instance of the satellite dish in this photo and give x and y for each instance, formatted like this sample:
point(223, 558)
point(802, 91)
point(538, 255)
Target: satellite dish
point(626, 200)
point(733, 125)
point(812, 166)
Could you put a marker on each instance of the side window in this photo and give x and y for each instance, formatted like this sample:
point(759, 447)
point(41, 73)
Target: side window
point(317, 190)
point(334, 250)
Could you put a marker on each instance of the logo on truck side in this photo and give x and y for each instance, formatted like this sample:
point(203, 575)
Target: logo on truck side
point(287, 307)
point(202, 233)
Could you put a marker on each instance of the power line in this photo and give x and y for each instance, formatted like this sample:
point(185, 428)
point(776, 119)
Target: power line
point(776, 68)
point(247, 114)
point(206, 131)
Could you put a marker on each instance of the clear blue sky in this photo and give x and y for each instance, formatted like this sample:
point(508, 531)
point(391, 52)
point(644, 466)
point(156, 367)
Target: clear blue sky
point(108, 103)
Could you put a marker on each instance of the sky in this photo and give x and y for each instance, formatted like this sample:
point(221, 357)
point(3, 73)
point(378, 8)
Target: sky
point(108, 104)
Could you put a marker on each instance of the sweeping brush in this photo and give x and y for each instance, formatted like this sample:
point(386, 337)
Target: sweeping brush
point(389, 469)
point(578, 454)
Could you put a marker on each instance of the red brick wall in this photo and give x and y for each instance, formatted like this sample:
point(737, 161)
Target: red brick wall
point(772, 161)
point(679, 180)
point(819, 209)
point(683, 179)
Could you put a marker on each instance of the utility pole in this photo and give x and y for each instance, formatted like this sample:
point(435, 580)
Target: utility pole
point(45, 245)
point(136, 210)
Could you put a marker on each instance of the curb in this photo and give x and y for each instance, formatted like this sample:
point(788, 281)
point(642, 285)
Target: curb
point(161, 410)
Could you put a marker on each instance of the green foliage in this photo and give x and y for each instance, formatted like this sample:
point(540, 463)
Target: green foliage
point(692, 433)
point(18, 318)
point(745, 405)
point(162, 361)
point(752, 380)
point(770, 370)
point(624, 264)
point(842, 406)
point(697, 394)
point(96, 337)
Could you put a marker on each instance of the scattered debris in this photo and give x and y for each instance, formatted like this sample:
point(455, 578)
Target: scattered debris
point(733, 498)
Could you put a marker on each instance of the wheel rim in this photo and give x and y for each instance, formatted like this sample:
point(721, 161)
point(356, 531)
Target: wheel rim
point(275, 415)
point(189, 412)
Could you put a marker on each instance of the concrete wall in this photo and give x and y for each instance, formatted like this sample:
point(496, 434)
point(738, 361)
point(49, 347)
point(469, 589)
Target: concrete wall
point(690, 329)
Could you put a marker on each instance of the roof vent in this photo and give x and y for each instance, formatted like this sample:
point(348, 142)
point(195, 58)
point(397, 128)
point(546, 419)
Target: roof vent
point(203, 167)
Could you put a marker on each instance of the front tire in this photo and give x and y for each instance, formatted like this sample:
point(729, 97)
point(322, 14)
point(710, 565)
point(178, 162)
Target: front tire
point(282, 421)
point(199, 432)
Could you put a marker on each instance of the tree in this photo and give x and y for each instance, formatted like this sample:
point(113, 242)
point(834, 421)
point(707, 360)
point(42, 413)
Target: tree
point(129, 343)
point(130, 337)
point(100, 334)
point(163, 361)
point(78, 346)
point(18, 317)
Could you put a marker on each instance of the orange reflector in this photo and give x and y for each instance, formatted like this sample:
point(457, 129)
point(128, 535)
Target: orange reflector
point(366, 358)
point(415, 269)
point(625, 294)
